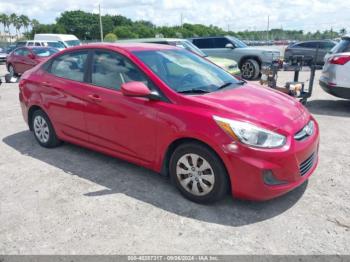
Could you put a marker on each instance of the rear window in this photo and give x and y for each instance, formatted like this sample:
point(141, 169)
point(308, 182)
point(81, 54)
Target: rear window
point(44, 52)
point(342, 47)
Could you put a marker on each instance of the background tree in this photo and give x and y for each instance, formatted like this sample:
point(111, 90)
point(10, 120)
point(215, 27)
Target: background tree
point(110, 37)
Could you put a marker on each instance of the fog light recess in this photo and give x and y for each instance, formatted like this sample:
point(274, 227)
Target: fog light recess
point(270, 179)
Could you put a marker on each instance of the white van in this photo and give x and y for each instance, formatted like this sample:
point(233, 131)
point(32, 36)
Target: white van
point(67, 40)
point(55, 44)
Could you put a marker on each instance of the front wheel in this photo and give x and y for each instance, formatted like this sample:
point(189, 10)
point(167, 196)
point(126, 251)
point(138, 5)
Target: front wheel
point(250, 69)
point(198, 173)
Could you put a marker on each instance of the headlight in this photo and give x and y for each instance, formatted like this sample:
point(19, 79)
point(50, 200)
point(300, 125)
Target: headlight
point(250, 134)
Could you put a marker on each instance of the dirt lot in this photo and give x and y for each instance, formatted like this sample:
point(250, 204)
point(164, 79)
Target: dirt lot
point(71, 200)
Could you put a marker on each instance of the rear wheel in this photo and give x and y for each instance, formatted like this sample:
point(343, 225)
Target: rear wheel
point(250, 69)
point(198, 173)
point(44, 132)
point(12, 71)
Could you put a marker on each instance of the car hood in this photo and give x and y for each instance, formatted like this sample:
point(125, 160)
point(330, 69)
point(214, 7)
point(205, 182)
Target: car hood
point(221, 61)
point(260, 105)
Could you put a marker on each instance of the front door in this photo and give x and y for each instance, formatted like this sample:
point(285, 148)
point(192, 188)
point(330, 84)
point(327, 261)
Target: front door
point(125, 125)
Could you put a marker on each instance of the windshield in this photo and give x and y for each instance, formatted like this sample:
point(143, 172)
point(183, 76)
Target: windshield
point(237, 42)
point(184, 71)
point(44, 52)
point(342, 47)
point(72, 42)
point(190, 47)
point(55, 44)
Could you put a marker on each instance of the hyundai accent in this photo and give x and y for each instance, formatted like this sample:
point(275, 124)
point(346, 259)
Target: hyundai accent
point(176, 113)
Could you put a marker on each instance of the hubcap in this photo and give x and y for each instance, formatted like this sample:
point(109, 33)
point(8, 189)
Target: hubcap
point(41, 129)
point(248, 70)
point(195, 174)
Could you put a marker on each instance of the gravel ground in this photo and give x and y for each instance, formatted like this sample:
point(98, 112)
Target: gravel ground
point(71, 200)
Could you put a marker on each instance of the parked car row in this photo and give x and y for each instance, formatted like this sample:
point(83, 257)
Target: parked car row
point(229, 65)
point(249, 59)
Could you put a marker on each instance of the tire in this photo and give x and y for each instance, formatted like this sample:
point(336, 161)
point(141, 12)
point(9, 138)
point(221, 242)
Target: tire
point(12, 71)
point(43, 130)
point(207, 172)
point(250, 69)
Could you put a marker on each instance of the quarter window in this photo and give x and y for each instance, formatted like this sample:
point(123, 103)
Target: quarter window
point(111, 70)
point(70, 66)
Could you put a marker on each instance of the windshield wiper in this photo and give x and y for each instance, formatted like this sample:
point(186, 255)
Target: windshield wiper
point(194, 91)
point(240, 82)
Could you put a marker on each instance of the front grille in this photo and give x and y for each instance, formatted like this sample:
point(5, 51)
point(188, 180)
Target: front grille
point(307, 164)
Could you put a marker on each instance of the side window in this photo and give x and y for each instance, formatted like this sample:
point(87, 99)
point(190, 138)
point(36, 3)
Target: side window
point(70, 66)
point(220, 42)
point(308, 45)
point(111, 70)
point(37, 44)
point(30, 44)
point(204, 42)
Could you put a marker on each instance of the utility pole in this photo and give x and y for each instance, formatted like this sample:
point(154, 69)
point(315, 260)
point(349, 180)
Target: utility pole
point(181, 19)
point(101, 27)
point(268, 28)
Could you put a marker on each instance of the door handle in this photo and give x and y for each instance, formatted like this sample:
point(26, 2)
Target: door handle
point(95, 98)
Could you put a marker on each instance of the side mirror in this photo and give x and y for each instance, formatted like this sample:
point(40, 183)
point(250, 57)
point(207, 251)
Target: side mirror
point(229, 45)
point(135, 89)
point(31, 56)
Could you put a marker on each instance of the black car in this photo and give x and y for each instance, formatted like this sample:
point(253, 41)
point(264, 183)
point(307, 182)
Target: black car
point(309, 49)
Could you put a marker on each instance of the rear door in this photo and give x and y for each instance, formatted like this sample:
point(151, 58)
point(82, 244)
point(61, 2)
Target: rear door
point(124, 125)
point(21, 60)
point(67, 93)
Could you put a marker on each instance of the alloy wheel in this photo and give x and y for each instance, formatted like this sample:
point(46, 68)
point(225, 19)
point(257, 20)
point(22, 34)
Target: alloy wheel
point(41, 129)
point(248, 70)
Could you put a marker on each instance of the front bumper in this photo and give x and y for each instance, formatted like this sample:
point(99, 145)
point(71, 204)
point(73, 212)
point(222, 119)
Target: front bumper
point(342, 92)
point(247, 165)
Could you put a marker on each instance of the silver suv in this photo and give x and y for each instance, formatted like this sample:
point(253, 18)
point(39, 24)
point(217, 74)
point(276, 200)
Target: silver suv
point(249, 59)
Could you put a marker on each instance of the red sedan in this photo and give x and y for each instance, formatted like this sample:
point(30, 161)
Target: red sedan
point(176, 113)
point(25, 58)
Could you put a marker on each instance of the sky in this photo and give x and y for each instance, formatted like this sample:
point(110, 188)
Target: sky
point(235, 15)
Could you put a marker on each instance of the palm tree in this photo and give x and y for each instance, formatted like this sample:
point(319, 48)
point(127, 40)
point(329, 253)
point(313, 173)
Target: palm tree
point(3, 22)
point(34, 24)
point(25, 21)
point(13, 22)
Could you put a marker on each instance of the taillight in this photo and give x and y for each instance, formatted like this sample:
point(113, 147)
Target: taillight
point(21, 83)
point(340, 60)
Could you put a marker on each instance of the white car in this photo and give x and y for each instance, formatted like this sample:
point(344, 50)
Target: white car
point(67, 40)
point(335, 78)
point(54, 44)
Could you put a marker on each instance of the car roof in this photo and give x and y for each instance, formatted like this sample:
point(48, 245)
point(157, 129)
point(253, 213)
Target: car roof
point(151, 40)
point(48, 41)
point(204, 37)
point(130, 47)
